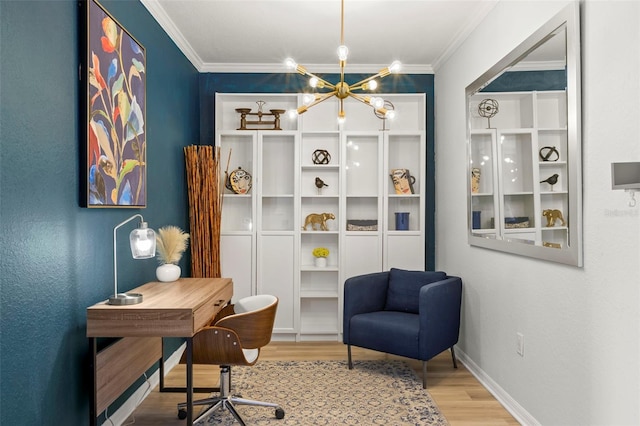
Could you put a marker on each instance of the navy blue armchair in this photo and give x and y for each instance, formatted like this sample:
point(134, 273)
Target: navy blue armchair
point(415, 314)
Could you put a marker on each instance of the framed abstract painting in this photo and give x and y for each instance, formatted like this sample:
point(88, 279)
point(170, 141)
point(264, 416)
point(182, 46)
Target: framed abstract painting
point(113, 99)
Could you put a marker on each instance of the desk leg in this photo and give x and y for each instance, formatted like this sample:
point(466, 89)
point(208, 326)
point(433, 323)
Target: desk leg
point(93, 343)
point(189, 381)
point(161, 369)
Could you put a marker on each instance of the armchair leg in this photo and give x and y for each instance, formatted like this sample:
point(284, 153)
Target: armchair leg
point(424, 374)
point(349, 357)
point(453, 357)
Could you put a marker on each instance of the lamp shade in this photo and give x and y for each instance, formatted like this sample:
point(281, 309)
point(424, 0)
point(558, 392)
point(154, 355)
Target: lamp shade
point(143, 242)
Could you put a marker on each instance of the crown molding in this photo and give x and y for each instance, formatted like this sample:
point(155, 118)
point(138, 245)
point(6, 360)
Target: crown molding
point(172, 31)
point(316, 68)
point(465, 31)
point(538, 66)
point(159, 14)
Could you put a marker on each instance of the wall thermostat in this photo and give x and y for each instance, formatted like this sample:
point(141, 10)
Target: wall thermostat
point(625, 175)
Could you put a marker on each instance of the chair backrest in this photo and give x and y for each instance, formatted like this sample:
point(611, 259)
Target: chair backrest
point(253, 320)
point(404, 288)
point(253, 303)
point(236, 336)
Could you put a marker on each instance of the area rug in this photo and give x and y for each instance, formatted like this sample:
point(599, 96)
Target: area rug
point(327, 393)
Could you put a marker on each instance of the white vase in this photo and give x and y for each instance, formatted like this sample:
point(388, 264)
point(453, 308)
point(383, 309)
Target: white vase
point(168, 272)
point(321, 262)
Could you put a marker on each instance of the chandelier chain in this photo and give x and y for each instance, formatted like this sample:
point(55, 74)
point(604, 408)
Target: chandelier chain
point(342, 24)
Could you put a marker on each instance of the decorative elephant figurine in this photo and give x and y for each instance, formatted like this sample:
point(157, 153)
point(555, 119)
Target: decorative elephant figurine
point(552, 215)
point(317, 219)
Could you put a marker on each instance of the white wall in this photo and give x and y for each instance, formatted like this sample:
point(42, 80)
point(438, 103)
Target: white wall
point(581, 325)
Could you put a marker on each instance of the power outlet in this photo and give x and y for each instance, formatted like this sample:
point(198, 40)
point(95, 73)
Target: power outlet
point(520, 344)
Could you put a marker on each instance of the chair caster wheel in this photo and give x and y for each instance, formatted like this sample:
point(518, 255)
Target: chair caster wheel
point(182, 414)
point(279, 413)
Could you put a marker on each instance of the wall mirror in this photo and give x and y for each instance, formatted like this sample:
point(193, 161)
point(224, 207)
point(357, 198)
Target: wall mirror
point(524, 147)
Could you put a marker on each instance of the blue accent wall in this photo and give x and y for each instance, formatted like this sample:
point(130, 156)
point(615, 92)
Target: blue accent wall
point(56, 257)
point(526, 81)
point(294, 83)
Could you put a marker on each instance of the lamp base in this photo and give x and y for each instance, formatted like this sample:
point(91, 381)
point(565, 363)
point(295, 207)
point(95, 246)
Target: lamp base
point(125, 299)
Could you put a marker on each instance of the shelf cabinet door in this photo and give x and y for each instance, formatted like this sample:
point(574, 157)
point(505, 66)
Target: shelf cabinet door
point(276, 276)
point(404, 252)
point(238, 148)
point(518, 201)
point(482, 175)
point(237, 240)
point(362, 186)
point(276, 186)
point(237, 255)
point(404, 224)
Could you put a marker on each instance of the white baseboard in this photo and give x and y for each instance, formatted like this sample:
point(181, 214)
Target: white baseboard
point(130, 405)
point(510, 404)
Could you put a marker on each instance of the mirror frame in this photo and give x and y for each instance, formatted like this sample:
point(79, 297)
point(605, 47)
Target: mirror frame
point(569, 16)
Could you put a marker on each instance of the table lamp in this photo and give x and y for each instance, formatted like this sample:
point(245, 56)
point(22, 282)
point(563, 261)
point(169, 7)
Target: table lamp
point(143, 246)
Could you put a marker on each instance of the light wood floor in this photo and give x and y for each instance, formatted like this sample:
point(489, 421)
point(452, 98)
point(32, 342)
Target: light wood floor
point(461, 398)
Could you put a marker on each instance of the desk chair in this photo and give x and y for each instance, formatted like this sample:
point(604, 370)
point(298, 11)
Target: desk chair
point(234, 337)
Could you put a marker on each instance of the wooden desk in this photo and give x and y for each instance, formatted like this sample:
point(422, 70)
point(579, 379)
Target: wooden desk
point(177, 309)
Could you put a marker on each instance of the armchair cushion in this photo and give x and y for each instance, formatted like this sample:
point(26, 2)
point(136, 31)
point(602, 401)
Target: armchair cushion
point(387, 331)
point(404, 288)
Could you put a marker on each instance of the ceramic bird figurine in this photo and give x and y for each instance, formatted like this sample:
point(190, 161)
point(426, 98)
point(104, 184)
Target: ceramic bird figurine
point(551, 180)
point(320, 184)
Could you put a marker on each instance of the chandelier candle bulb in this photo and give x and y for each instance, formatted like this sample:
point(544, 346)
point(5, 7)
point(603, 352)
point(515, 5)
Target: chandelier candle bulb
point(293, 113)
point(343, 52)
point(371, 85)
point(395, 67)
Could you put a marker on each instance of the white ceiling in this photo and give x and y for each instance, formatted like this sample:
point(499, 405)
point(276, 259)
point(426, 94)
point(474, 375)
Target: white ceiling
point(257, 35)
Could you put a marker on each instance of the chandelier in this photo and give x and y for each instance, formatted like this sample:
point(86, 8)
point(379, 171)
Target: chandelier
point(342, 90)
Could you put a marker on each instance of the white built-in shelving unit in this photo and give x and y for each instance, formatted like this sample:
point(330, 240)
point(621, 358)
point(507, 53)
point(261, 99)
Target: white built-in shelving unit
point(264, 246)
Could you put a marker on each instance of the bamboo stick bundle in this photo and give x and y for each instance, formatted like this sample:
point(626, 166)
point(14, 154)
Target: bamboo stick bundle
point(207, 163)
point(189, 176)
point(217, 217)
point(205, 209)
point(191, 159)
point(203, 224)
point(200, 225)
point(206, 171)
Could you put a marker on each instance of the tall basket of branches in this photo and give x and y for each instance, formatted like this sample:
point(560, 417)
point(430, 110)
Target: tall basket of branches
point(205, 209)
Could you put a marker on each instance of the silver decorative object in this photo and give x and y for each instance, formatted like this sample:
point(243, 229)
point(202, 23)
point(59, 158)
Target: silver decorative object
point(488, 108)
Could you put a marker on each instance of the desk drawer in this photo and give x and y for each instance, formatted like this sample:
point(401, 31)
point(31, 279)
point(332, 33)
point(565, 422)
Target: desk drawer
point(206, 312)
